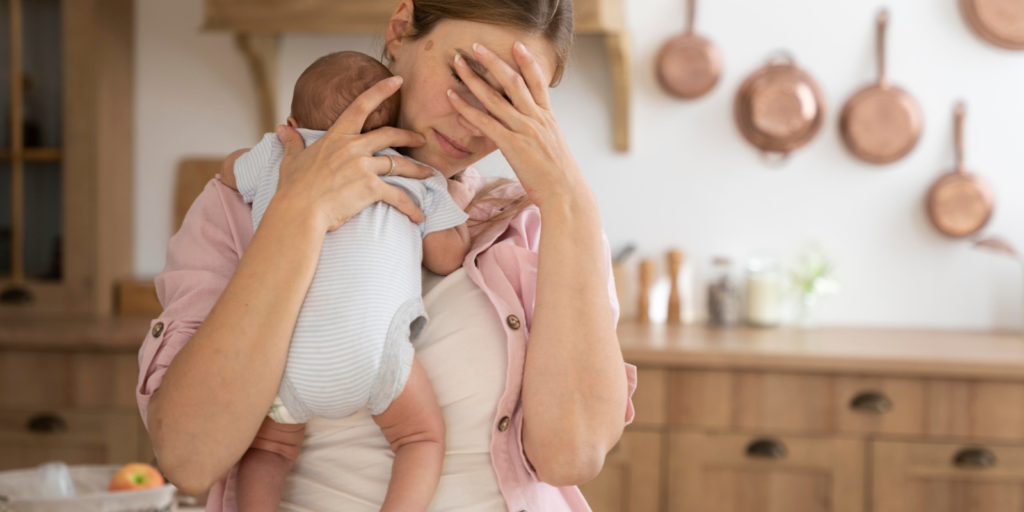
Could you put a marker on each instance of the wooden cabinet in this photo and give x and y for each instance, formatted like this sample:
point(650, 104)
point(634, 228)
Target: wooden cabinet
point(753, 473)
point(828, 420)
point(947, 477)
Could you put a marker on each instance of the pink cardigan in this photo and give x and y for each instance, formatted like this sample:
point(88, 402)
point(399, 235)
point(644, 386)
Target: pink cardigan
point(203, 255)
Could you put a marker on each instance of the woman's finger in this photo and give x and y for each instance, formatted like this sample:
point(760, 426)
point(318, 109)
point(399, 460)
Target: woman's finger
point(494, 102)
point(381, 165)
point(394, 196)
point(532, 74)
point(510, 80)
point(354, 117)
point(491, 128)
point(388, 137)
point(292, 141)
point(469, 126)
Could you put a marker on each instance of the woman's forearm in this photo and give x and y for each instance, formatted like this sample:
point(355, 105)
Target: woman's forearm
point(574, 389)
point(220, 386)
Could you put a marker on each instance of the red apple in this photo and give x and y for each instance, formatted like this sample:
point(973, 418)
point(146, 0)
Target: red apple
point(136, 476)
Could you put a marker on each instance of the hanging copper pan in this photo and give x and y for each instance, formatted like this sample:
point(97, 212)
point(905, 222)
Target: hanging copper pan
point(688, 65)
point(960, 203)
point(779, 107)
point(881, 123)
point(1000, 22)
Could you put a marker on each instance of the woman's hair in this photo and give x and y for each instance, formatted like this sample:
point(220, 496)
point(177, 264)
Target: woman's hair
point(549, 18)
point(552, 19)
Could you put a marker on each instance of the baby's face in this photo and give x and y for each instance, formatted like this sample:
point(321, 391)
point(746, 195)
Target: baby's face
point(427, 66)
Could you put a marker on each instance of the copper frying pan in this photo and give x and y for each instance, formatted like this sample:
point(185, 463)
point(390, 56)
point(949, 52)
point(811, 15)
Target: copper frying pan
point(1000, 22)
point(960, 203)
point(689, 65)
point(881, 123)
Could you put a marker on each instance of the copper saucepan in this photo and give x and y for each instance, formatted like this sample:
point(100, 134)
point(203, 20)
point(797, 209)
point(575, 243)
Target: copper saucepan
point(881, 123)
point(960, 203)
point(1000, 22)
point(779, 107)
point(688, 65)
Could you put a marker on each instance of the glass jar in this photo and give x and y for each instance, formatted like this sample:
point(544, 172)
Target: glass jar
point(723, 296)
point(764, 292)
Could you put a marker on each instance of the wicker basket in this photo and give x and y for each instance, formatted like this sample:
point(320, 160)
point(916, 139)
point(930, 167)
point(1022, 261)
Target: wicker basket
point(91, 488)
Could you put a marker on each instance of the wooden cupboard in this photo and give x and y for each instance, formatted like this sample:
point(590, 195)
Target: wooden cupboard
point(832, 420)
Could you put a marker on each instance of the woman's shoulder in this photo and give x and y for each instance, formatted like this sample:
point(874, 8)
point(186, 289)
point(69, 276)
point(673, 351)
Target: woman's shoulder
point(219, 220)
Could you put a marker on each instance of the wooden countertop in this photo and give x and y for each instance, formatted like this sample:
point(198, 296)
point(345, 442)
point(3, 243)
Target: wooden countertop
point(116, 334)
point(833, 350)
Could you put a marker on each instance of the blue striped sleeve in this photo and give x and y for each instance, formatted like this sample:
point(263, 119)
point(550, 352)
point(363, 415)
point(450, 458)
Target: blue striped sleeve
point(438, 206)
point(250, 166)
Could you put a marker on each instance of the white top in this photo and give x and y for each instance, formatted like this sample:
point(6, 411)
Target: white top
point(346, 464)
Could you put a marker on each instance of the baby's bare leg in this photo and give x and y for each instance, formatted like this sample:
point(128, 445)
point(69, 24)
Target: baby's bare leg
point(264, 466)
point(414, 426)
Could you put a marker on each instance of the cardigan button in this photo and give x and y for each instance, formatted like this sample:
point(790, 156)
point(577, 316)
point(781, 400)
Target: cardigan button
point(503, 424)
point(513, 322)
point(157, 329)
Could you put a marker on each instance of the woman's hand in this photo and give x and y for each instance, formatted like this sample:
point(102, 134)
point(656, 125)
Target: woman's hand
point(523, 126)
point(338, 176)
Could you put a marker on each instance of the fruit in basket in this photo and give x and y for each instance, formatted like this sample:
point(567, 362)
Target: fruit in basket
point(136, 477)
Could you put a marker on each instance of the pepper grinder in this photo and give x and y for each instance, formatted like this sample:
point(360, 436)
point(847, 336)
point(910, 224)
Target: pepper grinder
point(675, 263)
point(646, 281)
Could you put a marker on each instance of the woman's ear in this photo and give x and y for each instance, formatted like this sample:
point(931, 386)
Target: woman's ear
point(398, 27)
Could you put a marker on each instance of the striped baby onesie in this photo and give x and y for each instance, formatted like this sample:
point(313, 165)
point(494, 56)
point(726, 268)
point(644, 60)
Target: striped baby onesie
point(351, 347)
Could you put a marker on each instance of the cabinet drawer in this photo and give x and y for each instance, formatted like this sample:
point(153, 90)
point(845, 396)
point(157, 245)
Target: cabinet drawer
point(939, 477)
point(650, 398)
point(631, 478)
point(931, 407)
point(31, 437)
point(780, 402)
point(740, 473)
point(46, 379)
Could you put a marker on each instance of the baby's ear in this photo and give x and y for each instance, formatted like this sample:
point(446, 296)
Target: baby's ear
point(292, 122)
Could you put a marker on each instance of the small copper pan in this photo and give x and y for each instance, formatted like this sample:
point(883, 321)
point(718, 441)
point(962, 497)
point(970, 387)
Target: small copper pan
point(689, 65)
point(881, 123)
point(1000, 22)
point(960, 203)
point(779, 107)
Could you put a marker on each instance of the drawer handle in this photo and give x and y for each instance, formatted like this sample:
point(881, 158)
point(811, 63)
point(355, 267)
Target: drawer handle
point(47, 424)
point(974, 458)
point(871, 401)
point(766, 449)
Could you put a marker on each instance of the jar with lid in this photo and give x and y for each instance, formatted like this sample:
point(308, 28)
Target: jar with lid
point(764, 291)
point(723, 295)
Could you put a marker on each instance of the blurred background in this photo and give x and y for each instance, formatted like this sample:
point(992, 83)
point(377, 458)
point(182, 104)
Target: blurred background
point(806, 333)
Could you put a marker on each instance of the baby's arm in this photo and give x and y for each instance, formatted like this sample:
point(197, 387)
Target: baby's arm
point(444, 251)
point(414, 427)
point(227, 169)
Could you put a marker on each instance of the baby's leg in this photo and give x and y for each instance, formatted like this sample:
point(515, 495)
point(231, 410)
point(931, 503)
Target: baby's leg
point(414, 426)
point(264, 466)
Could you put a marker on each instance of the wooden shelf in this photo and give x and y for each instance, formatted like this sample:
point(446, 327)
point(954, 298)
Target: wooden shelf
point(258, 20)
point(35, 154)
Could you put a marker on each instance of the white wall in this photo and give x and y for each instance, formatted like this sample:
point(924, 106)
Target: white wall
point(690, 179)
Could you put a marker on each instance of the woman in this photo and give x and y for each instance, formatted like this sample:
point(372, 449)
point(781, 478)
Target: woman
point(526, 422)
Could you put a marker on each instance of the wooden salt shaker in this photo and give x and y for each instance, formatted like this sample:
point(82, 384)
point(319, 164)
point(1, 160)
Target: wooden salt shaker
point(646, 281)
point(675, 263)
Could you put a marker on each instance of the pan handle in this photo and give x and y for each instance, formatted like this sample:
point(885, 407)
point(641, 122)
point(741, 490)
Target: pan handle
point(781, 57)
point(691, 15)
point(882, 22)
point(958, 135)
point(774, 160)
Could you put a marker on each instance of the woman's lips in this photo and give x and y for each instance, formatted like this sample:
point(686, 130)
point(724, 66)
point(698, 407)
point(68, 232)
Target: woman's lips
point(450, 147)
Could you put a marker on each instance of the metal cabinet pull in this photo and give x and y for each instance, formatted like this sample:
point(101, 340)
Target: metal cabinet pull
point(974, 458)
point(766, 449)
point(871, 401)
point(47, 423)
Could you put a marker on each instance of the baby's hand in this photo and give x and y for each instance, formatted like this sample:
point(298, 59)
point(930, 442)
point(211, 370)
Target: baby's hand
point(460, 192)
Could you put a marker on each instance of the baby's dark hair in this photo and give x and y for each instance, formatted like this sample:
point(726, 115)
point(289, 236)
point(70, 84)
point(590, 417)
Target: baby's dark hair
point(331, 83)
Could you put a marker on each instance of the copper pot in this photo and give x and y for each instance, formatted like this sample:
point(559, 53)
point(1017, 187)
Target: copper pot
point(960, 203)
point(881, 123)
point(688, 65)
point(1000, 22)
point(779, 107)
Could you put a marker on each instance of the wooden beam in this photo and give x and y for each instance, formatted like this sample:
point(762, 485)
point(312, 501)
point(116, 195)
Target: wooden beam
point(617, 46)
point(260, 51)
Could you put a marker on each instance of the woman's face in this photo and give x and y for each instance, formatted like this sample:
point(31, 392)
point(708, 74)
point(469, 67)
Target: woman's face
point(427, 67)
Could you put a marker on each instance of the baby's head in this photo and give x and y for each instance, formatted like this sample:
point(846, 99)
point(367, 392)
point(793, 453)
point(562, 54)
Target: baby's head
point(329, 85)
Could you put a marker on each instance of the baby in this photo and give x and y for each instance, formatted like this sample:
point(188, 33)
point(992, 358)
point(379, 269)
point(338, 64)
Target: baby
point(351, 347)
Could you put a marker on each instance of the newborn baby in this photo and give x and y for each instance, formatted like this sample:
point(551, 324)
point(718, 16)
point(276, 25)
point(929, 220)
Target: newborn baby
point(351, 347)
